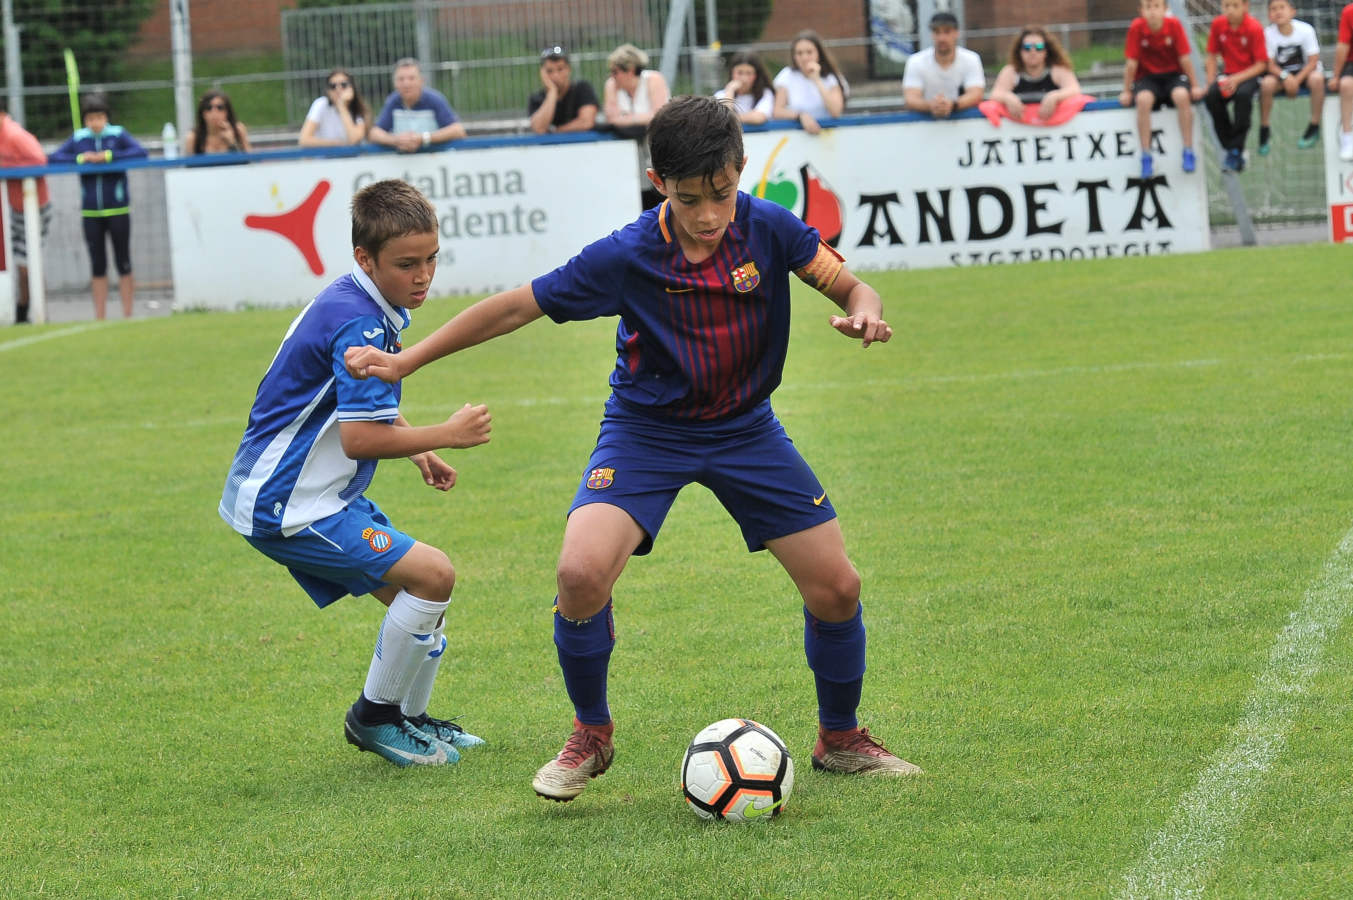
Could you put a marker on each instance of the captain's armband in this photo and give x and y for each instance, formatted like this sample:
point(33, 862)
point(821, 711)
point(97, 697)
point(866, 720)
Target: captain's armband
point(820, 273)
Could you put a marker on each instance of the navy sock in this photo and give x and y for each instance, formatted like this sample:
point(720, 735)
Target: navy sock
point(584, 656)
point(369, 712)
point(1264, 134)
point(835, 652)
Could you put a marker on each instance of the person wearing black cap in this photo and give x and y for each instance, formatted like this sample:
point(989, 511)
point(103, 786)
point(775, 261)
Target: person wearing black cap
point(105, 207)
point(561, 104)
point(944, 78)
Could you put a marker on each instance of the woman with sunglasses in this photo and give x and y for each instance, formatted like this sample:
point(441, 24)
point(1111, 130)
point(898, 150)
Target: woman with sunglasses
point(1038, 72)
point(338, 118)
point(217, 130)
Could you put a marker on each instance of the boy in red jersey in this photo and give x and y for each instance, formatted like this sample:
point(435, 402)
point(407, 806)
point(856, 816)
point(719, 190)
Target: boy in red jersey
point(1159, 72)
point(700, 284)
point(1341, 83)
point(1237, 39)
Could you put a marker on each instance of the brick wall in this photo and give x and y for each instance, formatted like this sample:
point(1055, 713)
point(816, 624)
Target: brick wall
point(246, 26)
point(845, 19)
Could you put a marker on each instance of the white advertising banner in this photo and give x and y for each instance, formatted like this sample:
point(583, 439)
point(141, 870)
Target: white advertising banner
point(274, 234)
point(1338, 176)
point(966, 192)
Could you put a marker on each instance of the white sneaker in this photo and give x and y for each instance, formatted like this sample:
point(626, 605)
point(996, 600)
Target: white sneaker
point(1346, 146)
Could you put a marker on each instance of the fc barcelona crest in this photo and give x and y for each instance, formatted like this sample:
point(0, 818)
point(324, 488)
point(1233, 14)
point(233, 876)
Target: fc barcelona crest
point(600, 478)
point(746, 277)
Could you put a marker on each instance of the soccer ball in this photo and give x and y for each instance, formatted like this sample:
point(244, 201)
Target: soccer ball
point(737, 770)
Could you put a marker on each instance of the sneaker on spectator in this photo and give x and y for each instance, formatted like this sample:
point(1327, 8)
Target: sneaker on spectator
point(1190, 161)
point(1265, 137)
point(1148, 165)
point(1346, 146)
point(1233, 162)
point(1310, 138)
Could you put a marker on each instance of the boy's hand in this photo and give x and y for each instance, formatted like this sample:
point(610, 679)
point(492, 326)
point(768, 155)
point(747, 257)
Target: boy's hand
point(1197, 93)
point(865, 326)
point(368, 362)
point(468, 427)
point(436, 471)
point(1125, 97)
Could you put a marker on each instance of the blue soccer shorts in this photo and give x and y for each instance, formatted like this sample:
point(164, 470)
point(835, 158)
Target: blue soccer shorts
point(346, 553)
point(750, 464)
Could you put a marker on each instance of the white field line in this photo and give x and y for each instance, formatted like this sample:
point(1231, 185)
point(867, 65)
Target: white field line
point(1184, 854)
point(47, 336)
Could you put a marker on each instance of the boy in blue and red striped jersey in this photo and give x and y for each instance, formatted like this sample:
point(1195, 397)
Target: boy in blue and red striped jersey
point(701, 286)
point(296, 488)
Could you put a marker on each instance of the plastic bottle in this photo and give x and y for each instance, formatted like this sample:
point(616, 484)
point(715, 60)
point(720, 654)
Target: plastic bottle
point(169, 137)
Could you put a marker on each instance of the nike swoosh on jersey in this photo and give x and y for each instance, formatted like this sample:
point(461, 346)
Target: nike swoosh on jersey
point(439, 756)
point(751, 811)
point(817, 501)
point(672, 290)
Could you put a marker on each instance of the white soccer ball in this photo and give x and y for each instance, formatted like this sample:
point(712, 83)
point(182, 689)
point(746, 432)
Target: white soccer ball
point(737, 770)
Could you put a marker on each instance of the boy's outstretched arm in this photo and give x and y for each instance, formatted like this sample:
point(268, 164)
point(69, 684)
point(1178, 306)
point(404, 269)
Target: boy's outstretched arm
point(863, 309)
point(469, 426)
point(493, 316)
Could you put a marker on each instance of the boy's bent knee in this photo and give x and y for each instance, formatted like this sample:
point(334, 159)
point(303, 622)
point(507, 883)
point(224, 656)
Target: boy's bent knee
point(425, 572)
point(582, 585)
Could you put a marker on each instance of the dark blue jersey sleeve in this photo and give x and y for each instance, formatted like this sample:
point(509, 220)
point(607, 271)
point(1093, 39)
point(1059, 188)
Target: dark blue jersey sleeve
point(799, 241)
point(588, 286)
point(368, 399)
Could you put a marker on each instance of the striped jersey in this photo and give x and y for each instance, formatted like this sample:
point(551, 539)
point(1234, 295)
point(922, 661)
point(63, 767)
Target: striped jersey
point(696, 341)
point(290, 469)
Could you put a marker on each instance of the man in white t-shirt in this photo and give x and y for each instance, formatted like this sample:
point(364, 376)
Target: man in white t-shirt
point(944, 78)
point(1293, 63)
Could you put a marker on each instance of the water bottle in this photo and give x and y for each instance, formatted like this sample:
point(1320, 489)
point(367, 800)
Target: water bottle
point(169, 137)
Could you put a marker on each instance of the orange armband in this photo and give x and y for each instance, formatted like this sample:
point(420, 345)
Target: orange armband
point(820, 273)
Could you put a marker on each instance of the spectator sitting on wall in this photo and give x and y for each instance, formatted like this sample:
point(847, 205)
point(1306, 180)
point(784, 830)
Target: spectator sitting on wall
point(944, 78)
point(1158, 71)
point(1293, 63)
point(811, 87)
point(105, 209)
point(1038, 73)
point(634, 92)
point(18, 148)
point(561, 104)
point(217, 129)
point(339, 117)
point(1341, 82)
point(748, 88)
point(414, 116)
point(1237, 40)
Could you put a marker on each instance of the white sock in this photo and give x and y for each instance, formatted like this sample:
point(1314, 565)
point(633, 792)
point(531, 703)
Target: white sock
point(420, 692)
point(403, 643)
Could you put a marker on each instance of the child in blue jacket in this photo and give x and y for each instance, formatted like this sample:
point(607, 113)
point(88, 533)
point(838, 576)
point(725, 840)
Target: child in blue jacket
point(105, 208)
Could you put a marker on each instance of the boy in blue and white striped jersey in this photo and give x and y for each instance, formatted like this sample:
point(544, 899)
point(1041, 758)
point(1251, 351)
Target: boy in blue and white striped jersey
point(295, 488)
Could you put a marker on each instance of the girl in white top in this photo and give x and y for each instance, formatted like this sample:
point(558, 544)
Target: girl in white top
point(634, 92)
point(749, 88)
point(338, 118)
point(812, 86)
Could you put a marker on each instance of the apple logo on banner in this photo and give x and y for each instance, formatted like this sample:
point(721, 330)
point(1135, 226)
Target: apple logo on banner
point(808, 196)
point(297, 225)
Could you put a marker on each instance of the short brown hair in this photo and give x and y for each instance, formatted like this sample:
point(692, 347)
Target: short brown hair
point(385, 210)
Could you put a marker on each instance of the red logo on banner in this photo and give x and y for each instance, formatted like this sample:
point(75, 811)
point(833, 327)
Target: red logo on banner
point(297, 225)
point(1341, 222)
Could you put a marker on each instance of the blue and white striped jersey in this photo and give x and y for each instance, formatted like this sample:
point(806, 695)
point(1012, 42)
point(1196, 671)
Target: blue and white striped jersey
point(290, 469)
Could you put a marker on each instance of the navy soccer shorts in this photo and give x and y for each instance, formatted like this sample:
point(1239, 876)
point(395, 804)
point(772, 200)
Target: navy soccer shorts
point(346, 553)
point(750, 464)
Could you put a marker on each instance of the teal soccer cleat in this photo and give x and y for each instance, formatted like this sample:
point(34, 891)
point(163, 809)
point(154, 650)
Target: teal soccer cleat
point(399, 742)
point(446, 731)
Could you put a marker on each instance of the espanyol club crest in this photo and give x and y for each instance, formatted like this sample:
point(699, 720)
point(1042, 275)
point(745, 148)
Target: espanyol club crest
point(600, 478)
point(379, 540)
point(746, 277)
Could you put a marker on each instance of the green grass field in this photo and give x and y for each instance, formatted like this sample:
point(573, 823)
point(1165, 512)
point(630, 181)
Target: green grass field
point(1085, 499)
